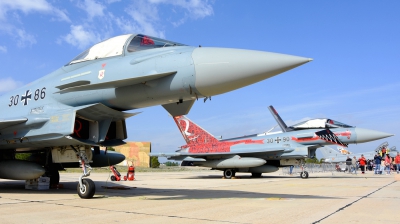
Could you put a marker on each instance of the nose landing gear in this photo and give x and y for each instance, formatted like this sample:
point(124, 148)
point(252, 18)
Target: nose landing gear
point(86, 187)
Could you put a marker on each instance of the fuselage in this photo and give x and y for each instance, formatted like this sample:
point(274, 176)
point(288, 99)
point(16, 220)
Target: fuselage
point(144, 72)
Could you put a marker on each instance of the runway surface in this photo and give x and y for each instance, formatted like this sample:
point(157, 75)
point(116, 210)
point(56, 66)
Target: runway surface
point(204, 197)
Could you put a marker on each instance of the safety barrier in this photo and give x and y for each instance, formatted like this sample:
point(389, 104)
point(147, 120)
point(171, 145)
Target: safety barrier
point(310, 168)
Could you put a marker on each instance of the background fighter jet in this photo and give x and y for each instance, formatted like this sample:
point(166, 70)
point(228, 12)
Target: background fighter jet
point(81, 104)
point(331, 155)
point(263, 153)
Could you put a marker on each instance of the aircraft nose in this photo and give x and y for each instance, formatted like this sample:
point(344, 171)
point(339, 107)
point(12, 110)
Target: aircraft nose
point(366, 135)
point(220, 70)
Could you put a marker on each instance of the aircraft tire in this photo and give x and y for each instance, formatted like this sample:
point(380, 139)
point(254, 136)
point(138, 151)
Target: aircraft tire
point(55, 177)
point(228, 173)
point(89, 189)
point(256, 175)
point(304, 175)
point(113, 178)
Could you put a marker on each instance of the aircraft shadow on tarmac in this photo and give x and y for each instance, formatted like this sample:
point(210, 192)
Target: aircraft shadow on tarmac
point(279, 177)
point(18, 187)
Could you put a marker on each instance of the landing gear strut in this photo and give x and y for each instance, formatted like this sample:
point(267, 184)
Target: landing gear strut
point(303, 173)
point(86, 187)
point(256, 175)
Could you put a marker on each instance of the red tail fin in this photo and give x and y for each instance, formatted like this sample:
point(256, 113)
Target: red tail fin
point(192, 133)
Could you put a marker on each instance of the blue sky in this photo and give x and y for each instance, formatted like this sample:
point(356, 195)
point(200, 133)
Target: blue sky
point(354, 77)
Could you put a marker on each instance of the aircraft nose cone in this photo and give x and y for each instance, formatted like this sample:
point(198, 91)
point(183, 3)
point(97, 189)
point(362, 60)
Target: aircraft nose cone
point(366, 135)
point(220, 70)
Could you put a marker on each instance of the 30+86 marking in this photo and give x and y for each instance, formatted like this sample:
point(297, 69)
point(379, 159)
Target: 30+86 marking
point(39, 94)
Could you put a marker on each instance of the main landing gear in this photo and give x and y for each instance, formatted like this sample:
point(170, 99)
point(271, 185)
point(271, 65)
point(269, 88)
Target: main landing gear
point(229, 173)
point(86, 187)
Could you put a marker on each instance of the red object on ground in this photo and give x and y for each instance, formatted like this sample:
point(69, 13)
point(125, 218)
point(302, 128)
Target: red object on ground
point(130, 175)
point(116, 176)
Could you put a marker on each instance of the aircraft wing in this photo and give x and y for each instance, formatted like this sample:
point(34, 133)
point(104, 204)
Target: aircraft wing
point(85, 85)
point(183, 155)
point(5, 123)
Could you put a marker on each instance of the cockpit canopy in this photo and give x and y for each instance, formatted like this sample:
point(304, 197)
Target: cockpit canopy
point(115, 46)
point(319, 123)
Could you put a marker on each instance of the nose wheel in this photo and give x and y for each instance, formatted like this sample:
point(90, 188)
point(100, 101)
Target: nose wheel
point(87, 190)
point(86, 187)
point(304, 175)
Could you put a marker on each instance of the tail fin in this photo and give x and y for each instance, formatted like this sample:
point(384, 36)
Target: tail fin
point(279, 120)
point(193, 133)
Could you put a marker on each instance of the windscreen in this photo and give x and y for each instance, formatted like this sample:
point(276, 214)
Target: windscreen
point(142, 42)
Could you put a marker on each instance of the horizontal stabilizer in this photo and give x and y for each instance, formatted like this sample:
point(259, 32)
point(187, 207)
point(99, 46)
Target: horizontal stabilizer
point(5, 123)
point(115, 84)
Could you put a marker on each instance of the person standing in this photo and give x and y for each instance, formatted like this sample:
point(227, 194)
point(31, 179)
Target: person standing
point(363, 162)
point(383, 152)
point(397, 162)
point(388, 161)
point(348, 164)
point(377, 161)
point(354, 164)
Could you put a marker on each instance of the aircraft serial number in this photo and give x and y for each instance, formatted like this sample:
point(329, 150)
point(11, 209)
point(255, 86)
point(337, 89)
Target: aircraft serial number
point(278, 140)
point(39, 94)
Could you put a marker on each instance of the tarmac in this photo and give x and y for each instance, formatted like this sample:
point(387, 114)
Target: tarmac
point(200, 196)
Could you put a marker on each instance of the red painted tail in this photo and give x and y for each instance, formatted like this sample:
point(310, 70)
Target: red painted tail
point(192, 133)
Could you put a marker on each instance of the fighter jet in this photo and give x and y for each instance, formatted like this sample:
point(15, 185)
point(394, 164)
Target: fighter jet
point(266, 152)
point(331, 155)
point(83, 103)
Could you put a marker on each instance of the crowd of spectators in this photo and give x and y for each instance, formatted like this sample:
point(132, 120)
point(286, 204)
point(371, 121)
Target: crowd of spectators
point(381, 164)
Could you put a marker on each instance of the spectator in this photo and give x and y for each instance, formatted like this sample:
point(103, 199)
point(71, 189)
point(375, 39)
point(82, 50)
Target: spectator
point(363, 162)
point(377, 160)
point(383, 152)
point(348, 164)
point(382, 165)
point(397, 162)
point(388, 161)
point(354, 164)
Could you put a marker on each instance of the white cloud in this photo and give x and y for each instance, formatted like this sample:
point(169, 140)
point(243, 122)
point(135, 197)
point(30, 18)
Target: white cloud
point(10, 20)
point(3, 49)
point(30, 6)
point(145, 18)
point(195, 9)
point(142, 16)
point(23, 38)
point(92, 8)
point(112, 1)
point(81, 37)
point(8, 84)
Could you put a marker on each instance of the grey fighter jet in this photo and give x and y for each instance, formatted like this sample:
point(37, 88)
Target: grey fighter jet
point(264, 153)
point(81, 105)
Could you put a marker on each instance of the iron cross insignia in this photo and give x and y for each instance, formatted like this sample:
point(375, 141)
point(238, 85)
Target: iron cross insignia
point(278, 140)
point(26, 97)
